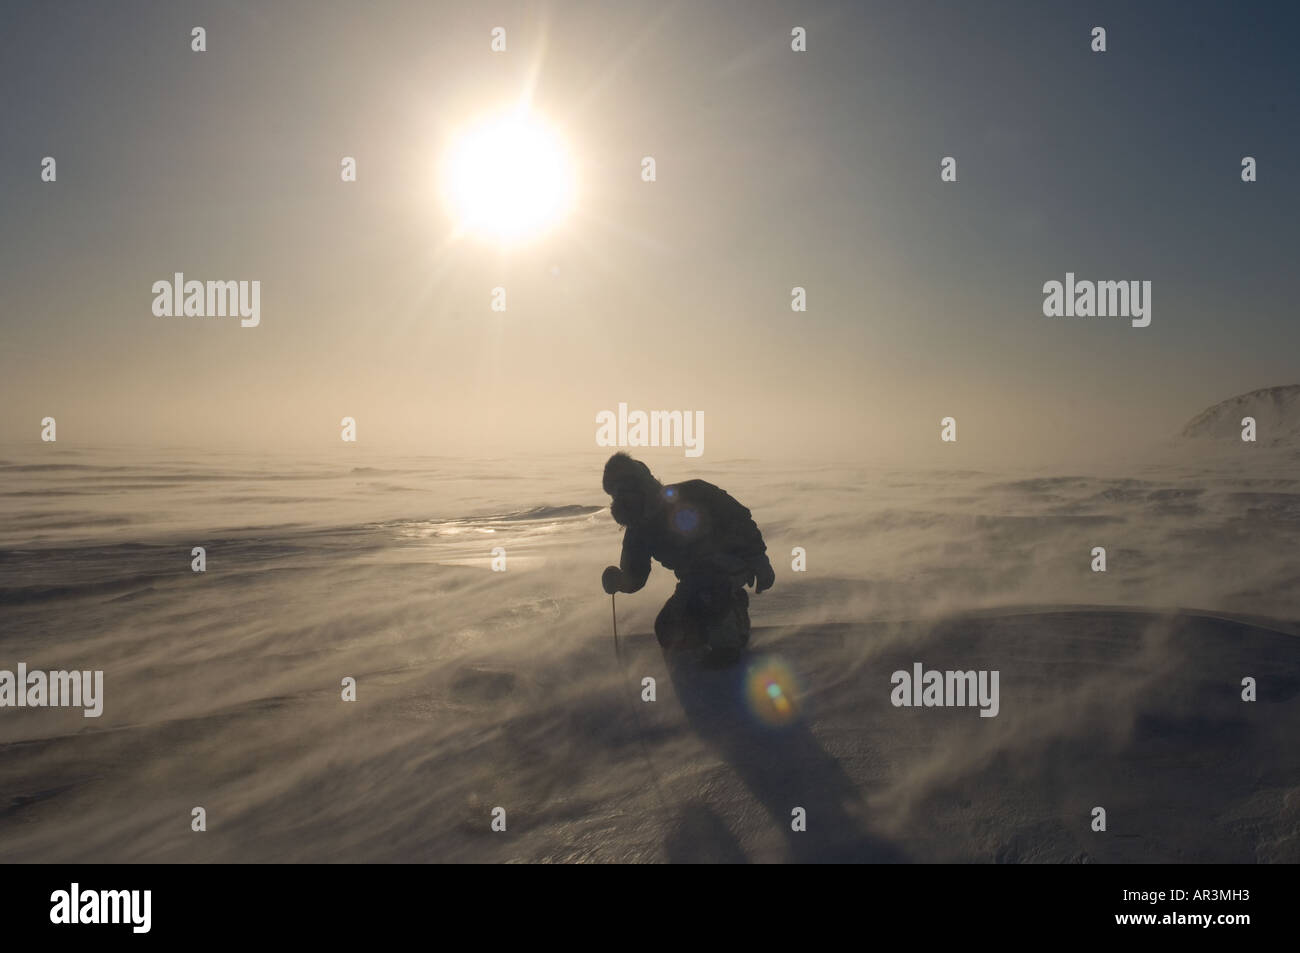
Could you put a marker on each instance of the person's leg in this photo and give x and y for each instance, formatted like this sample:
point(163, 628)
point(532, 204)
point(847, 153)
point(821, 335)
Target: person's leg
point(707, 610)
point(668, 624)
point(721, 614)
point(693, 610)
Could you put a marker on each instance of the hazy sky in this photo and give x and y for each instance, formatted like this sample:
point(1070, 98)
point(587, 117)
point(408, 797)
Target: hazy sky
point(775, 169)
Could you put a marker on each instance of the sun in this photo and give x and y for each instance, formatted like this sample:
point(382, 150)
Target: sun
point(508, 177)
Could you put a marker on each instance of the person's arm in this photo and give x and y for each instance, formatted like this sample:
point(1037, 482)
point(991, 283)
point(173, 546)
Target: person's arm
point(634, 565)
point(635, 561)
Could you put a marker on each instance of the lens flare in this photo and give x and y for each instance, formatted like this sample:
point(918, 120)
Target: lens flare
point(771, 689)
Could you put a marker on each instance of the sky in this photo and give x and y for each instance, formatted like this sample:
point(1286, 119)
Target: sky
point(775, 169)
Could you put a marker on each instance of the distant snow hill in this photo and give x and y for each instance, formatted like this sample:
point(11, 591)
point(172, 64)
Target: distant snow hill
point(1276, 411)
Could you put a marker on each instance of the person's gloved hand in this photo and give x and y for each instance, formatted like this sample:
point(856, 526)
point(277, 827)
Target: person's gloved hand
point(764, 576)
point(611, 579)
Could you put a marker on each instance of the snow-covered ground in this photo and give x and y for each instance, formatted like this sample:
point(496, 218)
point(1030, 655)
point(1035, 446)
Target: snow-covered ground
point(479, 689)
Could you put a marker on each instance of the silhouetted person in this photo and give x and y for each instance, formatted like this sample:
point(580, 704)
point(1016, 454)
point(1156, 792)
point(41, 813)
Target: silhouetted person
point(701, 534)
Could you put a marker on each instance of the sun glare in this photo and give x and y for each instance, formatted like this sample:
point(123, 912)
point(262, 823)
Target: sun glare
point(508, 177)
